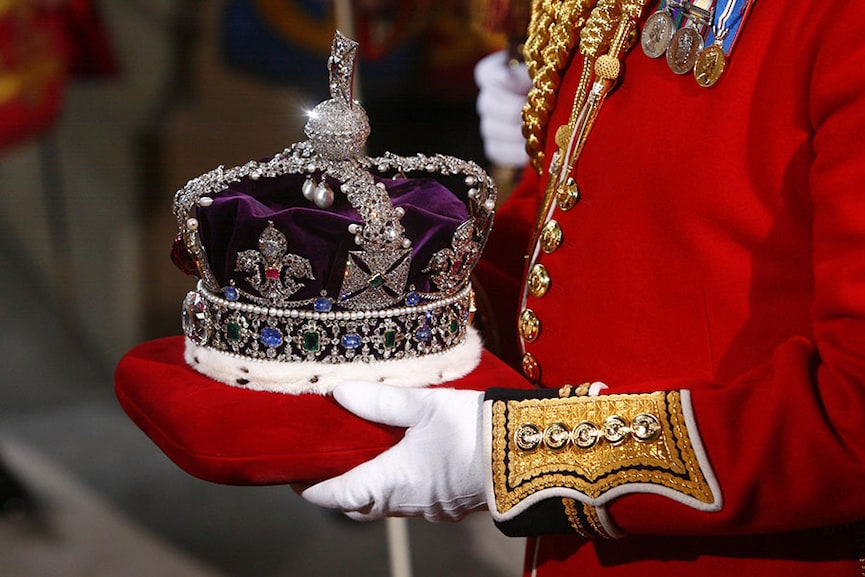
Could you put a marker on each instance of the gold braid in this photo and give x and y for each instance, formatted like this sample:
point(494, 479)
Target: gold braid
point(548, 49)
point(550, 46)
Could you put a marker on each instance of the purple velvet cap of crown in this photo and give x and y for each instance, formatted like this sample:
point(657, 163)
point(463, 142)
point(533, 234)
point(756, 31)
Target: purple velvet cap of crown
point(239, 215)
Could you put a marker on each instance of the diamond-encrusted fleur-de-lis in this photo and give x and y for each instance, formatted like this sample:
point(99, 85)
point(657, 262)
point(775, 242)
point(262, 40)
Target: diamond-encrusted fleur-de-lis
point(273, 270)
point(449, 267)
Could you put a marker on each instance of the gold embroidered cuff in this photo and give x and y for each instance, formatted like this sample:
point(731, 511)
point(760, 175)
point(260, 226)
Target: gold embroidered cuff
point(593, 449)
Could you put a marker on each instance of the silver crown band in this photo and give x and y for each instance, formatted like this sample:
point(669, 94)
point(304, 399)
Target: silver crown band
point(245, 345)
point(320, 378)
point(292, 335)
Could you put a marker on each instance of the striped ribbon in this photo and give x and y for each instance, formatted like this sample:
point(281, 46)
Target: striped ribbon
point(729, 22)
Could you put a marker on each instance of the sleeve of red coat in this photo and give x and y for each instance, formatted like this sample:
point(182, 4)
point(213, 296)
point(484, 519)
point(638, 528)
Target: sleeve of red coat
point(784, 444)
point(787, 441)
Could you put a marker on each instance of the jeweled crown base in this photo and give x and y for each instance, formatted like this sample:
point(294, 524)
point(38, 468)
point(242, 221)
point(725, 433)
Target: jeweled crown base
point(320, 378)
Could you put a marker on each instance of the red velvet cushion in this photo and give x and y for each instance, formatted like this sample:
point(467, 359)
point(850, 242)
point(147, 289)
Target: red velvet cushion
point(235, 436)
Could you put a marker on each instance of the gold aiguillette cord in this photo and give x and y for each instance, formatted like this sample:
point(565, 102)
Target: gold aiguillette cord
point(571, 138)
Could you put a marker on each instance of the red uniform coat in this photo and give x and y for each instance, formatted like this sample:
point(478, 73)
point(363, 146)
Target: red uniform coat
point(719, 247)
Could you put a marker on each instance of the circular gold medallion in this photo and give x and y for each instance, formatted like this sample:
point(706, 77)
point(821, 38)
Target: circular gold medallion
point(551, 236)
point(539, 280)
point(710, 65)
point(530, 325)
point(531, 368)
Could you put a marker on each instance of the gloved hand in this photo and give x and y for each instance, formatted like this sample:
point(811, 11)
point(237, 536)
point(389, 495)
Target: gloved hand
point(501, 97)
point(435, 471)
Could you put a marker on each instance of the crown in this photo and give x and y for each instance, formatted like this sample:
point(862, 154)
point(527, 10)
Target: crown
point(320, 265)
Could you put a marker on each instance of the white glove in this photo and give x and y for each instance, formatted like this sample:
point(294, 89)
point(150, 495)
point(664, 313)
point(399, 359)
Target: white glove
point(435, 471)
point(501, 97)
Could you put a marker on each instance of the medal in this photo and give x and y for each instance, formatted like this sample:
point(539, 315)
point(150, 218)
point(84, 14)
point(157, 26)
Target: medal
point(684, 49)
point(710, 65)
point(659, 29)
point(687, 42)
point(712, 61)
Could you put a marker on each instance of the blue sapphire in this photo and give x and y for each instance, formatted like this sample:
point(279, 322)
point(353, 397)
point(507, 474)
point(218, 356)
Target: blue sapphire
point(271, 337)
point(423, 334)
point(323, 304)
point(351, 341)
point(230, 293)
point(412, 299)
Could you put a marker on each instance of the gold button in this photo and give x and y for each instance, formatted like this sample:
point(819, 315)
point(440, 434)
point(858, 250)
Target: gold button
point(551, 237)
point(645, 427)
point(568, 195)
point(556, 436)
point(531, 368)
point(528, 437)
point(615, 429)
point(585, 435)
point(530, 325)
point(539, 280)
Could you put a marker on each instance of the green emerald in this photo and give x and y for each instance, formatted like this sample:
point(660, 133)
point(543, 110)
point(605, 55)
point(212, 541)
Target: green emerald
point(376, 281)
point(454, 326)
point(389, 339)
point(311, 341)
point(232, 332)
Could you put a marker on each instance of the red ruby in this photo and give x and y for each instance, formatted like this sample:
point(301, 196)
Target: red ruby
point(272, 273)
point(181, 258)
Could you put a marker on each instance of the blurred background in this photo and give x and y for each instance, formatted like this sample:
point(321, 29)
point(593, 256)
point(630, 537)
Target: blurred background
point(107, 108)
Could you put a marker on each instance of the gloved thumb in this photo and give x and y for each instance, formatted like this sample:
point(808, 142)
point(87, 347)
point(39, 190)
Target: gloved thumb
point(351, 491)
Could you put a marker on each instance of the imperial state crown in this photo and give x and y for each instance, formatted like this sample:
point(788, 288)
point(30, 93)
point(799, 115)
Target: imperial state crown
point(320, 265)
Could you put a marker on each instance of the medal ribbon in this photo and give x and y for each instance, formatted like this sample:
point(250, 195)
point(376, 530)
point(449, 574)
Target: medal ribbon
point(674, 7)
point(729, 22)
point(705, 7)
